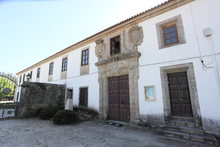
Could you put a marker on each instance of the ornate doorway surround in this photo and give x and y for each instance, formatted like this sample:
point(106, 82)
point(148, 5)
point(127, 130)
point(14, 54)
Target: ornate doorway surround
point(124, 63)
point(188, 68)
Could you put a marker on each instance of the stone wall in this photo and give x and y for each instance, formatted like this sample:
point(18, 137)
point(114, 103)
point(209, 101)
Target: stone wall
point(37, 95)
point(151, 121)
point(211, 126)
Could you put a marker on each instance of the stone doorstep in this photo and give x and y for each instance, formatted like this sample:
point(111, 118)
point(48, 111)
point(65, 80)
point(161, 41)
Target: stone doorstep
point(117, 123)
point(181, 118)
point(206, 138)
point(181, 123)
point(191, 134)
point(198, 131)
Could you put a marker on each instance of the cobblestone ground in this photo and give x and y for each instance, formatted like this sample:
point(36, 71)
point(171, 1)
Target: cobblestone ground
point(39, 133)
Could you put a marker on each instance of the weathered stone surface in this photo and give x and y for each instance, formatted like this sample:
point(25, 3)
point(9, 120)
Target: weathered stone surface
point(124, 63)
point(100, 48)
point(152, 120)
point(84, 69)
point(211, 126)
point(63, 75)
point(36, 95)
point(136, 36)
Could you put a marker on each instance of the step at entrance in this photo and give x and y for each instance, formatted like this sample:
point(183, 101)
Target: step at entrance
point(180, 123)
point(198, 131)
point(184, 128)
point(181, 118)
point(117, 123)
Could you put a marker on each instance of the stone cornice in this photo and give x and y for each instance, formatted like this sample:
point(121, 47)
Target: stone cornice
point(118, 58)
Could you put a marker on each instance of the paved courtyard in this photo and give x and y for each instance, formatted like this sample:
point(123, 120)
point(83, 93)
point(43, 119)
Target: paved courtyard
point(39, 133)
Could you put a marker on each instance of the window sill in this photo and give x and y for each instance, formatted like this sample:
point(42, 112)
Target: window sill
point(173, 45)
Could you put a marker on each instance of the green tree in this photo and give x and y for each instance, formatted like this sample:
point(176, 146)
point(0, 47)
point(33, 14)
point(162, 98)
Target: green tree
point(7, 82)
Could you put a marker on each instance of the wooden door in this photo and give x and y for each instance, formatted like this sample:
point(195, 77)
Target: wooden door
point(119, 107)
point(83, 97)
point(179, 94)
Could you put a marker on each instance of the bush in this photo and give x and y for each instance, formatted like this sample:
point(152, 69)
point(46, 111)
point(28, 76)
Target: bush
point(48, 112)
point(85, 110)
point(39, 111)
point(31, 112)
point(65, 117)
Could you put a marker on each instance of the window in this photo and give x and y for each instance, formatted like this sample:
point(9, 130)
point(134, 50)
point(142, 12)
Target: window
point(83, 97)
point(170, 35)
point(85, 57)
point(170, 32)
point(20, 80)
point(38, 73)
point(31, 75)
point(115, 45)
point(9, 112)
point(23, 77)
point(64, 64)
point(17, 96)
point(51, 69)
point(69, 93)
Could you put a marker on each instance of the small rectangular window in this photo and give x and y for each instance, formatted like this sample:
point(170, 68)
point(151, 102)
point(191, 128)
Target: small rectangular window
point(51, 69)
point(170, 35)
point(83, 97)
point(38, 73)
point(31, 75)
point(9, 112)
point(69, 93)
point(20, 80)
point(115, 45)
point(85, 57)
point(170, 32)
point(23, 77)
point(64, 64)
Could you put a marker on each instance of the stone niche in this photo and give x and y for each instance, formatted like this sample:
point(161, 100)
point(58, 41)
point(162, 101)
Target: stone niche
point(124, 63)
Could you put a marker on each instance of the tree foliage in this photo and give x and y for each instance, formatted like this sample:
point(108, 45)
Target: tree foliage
point(7, 81)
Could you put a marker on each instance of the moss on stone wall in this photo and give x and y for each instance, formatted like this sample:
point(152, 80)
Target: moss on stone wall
point(39, 95)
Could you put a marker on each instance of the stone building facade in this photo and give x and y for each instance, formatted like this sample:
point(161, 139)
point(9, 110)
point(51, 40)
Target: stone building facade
point(157, 67)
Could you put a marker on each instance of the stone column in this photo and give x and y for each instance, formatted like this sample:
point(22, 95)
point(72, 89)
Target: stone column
point(133, 91)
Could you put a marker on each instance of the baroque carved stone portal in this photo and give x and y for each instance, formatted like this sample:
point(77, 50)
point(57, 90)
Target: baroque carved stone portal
point(131, 39)
point(124, 63)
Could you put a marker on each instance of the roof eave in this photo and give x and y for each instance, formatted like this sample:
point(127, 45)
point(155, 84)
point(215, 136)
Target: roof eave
point(155, 11)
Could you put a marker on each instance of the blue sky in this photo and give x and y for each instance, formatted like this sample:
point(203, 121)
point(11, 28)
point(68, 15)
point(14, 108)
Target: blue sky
point(31, 30)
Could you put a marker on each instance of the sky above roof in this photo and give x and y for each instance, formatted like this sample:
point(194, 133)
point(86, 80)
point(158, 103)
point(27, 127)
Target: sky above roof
point(31, 30)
